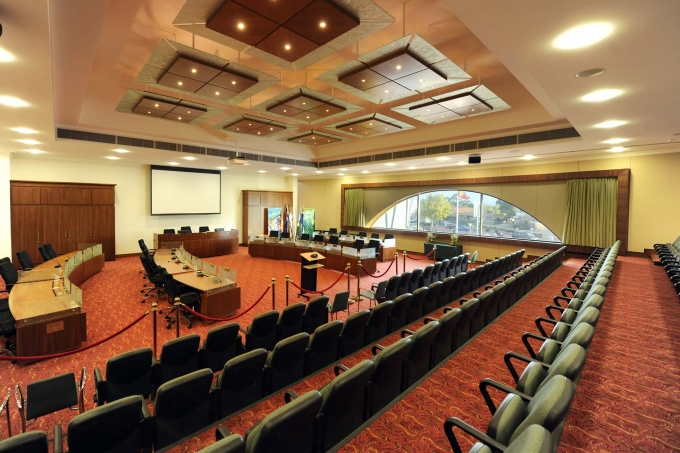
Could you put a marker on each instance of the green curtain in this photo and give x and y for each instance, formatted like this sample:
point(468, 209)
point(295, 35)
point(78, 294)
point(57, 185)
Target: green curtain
point(355, 213)
point(590, 212)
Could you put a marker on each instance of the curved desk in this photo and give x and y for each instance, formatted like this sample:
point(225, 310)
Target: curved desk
point(47, 322)
point(201, 245)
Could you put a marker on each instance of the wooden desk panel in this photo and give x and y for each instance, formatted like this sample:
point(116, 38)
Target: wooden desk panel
point(222, 303)
point(60, 334)
point(339, 263)
point(202, 245)
point(387, 253)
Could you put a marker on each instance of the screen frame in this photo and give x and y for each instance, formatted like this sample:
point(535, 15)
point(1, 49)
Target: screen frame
point(184, 170)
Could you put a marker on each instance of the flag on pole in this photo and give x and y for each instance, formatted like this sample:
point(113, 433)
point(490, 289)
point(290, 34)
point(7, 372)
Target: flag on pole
point(462, 195)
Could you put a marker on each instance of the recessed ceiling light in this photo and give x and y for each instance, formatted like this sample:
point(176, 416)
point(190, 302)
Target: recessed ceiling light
point(155, 105)
point(194, 71)
point(35, 151)
point(614, 141)
point(188, 111)
point(528, 157)
point(462, 162)
point(28, 141)
point(411, 168)
point(387, 91)
point(10, 101)
point(363, 80)
point(24, 130)
point(610, 124)
point(149, 113)
point(285, 168)
point(189, 158)
point(398, 67)
point(179, 83)
point(341, 174)
point(5, 56)
point(318, 172)
point(173, 163)
point(365, 172)
point(295, 174)
point(262, 171)
point(179, 118)
point(326, 109)
point(322, 24)
point(343, 169)
point(590, 73)
point(617, 149)
point(443, 158)
point(111, 157)
point(304, 103)
point(284, 111)
point(233, 82)
point(241, 26)
point(601, 95)
point(420, 80)
point(221, 168)
point(583, 35)
point(258, 133)
point(307, 117)
point(287, 47)
point(390, 164)
point(217, 93)
point(271, 128)
point(120, 151)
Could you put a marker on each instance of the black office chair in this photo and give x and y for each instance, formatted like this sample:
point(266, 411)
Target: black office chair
point(388, 236)
point(362, 234)
point(25, 260)
point(340, 303)
point(286, 362)
point(154, 274)
point(218, 230)
point(188, 298)
point(222, 344)
point(290, 321)
point(241, 382)
point(333, 231)
point(318, 238)
point(344, 232)
point(261, 333)
point(185, 229)
point(7, 326)
point(375, 236)
point(127, 374)
point(179, 357)
point(304, 237)
point(359, 244)
point(9, 274)
point(316, 314)
point(182, 407)
point(376, 325)
point(125, 425)
point(33, 442)
point(375, 245)
point(334, 240)
point(203, 229)
point(50, 251)
point(353, 333)
point(169, 231)
point(322, 349)
point(285, 235)
point(43, 253)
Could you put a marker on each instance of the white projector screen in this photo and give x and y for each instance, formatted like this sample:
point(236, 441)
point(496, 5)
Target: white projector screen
point(185, 191)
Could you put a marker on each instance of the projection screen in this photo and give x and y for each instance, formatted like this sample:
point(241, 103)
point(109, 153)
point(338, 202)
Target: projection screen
point(185, 191)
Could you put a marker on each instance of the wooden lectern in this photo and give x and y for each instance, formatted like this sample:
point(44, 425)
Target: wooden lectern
point(308, 269)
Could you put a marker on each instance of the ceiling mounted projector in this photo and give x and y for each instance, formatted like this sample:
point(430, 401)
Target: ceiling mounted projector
point(238, 160)
point(475, 159)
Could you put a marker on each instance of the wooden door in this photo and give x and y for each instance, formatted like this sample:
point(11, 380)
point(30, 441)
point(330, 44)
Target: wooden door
point(80, 225)
point(26, 232)
point(53, 227)
point(104, 229)
point(255, 219)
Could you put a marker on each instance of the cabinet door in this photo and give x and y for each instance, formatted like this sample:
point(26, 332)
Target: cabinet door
point(79, 226)
point(254, 220)
point(25, 195)
point(53, 227)
point(104, 229)
point(26, 232)
point(253, 199)
point(74, 196)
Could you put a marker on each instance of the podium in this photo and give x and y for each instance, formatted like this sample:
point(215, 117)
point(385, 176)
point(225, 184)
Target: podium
point(308, 267)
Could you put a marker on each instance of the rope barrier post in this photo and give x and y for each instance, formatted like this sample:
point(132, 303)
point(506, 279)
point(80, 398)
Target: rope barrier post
point(273, 293)
point(396, 261)
point(287, 282)
point(348, 270)
point(177, 317)
point(404, 253)
point(154, 309)
point(434, 255)
point(358, 297)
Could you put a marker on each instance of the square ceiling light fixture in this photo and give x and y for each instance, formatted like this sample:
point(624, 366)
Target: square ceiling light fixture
point(470, 101)
point(370, 125)
point(402, 68)
point(252, 125)
point(176, 67)
point(154, 105)
point(314, 138)
point(292, 34)
point(305, 105)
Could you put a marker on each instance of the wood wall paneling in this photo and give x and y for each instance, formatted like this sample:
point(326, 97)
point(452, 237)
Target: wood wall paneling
point(25, 195)
point(253, 212)
point(26, 232)
point(103, 196)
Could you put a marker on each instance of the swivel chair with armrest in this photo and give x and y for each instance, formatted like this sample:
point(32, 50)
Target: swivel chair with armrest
point(9, 274)
point(185, 229)
point(362, 234)
point(218, 230)
point(318, 238)
point(203, 229)
point(333, 231)
point(304, 237)
point(344, 232)
point(359, 244)
point(25, 260)
point(274, 234)
point(375, 245)
point(285, 235)
point(169, 231)
point(375, 236)
point(188, 298)
point(43, 253)
point(50, 251)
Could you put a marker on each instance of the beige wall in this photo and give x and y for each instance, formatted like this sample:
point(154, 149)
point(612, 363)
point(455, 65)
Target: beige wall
point(654, 184)
point(5, 211)
point(133, 220)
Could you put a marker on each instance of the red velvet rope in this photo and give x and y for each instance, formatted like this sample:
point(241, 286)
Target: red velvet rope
point(418, 259)
point(381, 275)
point(85, 348)
point(322, 290)
point(208, 318)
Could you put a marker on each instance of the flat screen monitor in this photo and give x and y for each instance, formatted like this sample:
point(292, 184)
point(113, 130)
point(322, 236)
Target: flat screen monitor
point(176, 191)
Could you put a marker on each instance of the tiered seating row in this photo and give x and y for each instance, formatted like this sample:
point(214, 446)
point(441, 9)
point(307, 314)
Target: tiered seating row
point(669, 255)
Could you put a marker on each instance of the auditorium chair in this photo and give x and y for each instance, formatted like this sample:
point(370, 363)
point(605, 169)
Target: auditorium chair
point(358, 244)
point(444, 294)
point(498, 304)
point(315, 315)
point(43, 253)
point(432, 297)
point(127, 374)
point(415, 307)
point(33, 442)
point(169, 231)
point(392, 288)
point(581, 295)
point(399, 312)
point(443, 270)
point(387, 381)
point(290, 321)
point(353, 333)
point(182, 407)
point(221, 344)
point(120, 426)
point(376, 294)
point(174, 291)
point(443, 342)
point(9, 275)
point(340, 303)
point(568, 314)
point(419, 360)
point(304, 237)
point(426, 278)
point(561, 329)
point(225, 443)
point(435, 272)
point(322, 348)
point(318, 238)
point(203, 229)
point(179, 357)
point(535, 439)
point(25, 260)
point(403, 285)
point(334, 240)
point(414, 282)
point(286, 362)
point(241, 383)
point(376, 325)
point(581, 335)
point(261, 333)
point(455, 291)
point(185, 229)
point(50, 250)
point(451, 270)
point(548, 408)
point(464, 328)
point(466, 285)
point(465, 263)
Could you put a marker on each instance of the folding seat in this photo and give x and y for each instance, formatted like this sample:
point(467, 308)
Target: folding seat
point(376, 325)
point(322, 349)
point(493, 273)
point(397, 318)
point(503, 265)
point(443, 342)
point(579, 296)
point(290, 321)
point(414, 283)
point(120, 426)
point(464, 329)
point(31, 442)
point(261, 333)
point(241, 382)
point(432, 297)
point(419, 360)
point(415, 308)
point(340, 303)
point(392, 290)
point(443, 270)
point(226, 444)
point(182, 407)
point(535, 439)
point(510, 292)
point(581, 335)
point(178, 358)
point(221, 344)
point(479, 318)
point(569, 314)
point(376, 294)
point(426, 278)
point(286, 362)
point(561, 329)
point(316, 314)
point(387, 381)
point(443, 297)
point(520, 279)
point(127, 374)
point(548, 408)
point(466, 286)
point(435, 272)
point(402, 286)
point(464, 263)
point(456, 289)
point(500, 302)
point(452, 266)
point(353, 333)
point(476, 281)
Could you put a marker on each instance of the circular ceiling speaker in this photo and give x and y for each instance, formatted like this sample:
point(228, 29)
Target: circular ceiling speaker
point(590, 73)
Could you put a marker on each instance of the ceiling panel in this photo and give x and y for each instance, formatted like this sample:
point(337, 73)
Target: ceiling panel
point(230, 15)
point(398, 65)
point(180, 83)
point(322, 21)
point(287, 45)
point(278, 11)
point(193, 70)
point(233, 81)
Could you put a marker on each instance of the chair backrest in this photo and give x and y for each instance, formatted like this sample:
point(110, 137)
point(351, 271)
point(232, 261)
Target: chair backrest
point(374, 244)
point(221, 344)
point(414, 283)
point(568, 363)
point(203, 229)
point(534, 439)
point(380, 290)
point(376, 326)
point(318, 238)
point(375, 236)
point(217, 230)
point(182, 407)
point(322, 349)
point(169, 284)
point(443, 297)
point(435, 271)
point(463, 332)
point(123, 431)
point(289, 429)
point(362, 234)
point(241, 382)
point(129, 374)
point(24, 260)
point(43, 253)
point(474, 257)
point(290, 321)
point(397, 318)
point(443, 345)
point(344, 232)
point(415, 308)
point(419, 359)
point(50, 250)
point(388, 378)
point(31, 442)
point(404, 280)
point(359, 244)
point(427, 275)
point(261, 333)
point(333, 231)
point(316, 314)
point(335, 240)
point(230, 444)
point(285, 363)
point(340, 302)
point(179, 356)
point(274, 233)
point(549, 406)
point(304, 237)
point(344, 404)
point(389, 236)
point(8, 273)
point(392, 289)
point(432, 297)
point(169, 231)
point(186, 229)
point(353, 333)
point(444, 270)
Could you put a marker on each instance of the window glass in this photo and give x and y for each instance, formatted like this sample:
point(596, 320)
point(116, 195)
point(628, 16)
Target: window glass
point(402, 216)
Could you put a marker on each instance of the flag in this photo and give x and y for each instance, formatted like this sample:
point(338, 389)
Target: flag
point(462, 195)
point(286, 219)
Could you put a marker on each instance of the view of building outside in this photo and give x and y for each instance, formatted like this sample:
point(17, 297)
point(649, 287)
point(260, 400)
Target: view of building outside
point(466, 213)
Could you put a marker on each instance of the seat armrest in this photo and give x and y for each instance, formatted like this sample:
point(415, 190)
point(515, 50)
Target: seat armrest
point(476, 294)
point(406, 332)
point(377, 348)
point(148, 427)
point(100, 394)
point(452, 422)
point(446, 310)
point(549, 308)
point(485, 383)
point(58, 441)
point(572, 284)
point(525, 340)
point(541, 319)
point(507, 358)
point(222, 432)
point(429, 319)
point(241, 329)
point(565, 290)
point(558, 298)
point(339, 368)
point(290, 395)
point(462, 301)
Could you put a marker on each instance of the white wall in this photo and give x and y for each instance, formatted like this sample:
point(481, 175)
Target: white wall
point(133, 221)
point(5, 221)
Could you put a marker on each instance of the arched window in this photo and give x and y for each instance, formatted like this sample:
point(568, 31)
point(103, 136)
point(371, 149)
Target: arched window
point(462, 212)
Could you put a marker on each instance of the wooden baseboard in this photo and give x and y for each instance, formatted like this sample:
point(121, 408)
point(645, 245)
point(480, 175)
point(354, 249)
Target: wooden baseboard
point(644, 254)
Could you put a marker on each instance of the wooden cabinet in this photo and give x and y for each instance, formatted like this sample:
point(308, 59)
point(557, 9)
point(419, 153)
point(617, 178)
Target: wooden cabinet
point(62, 214)
point(255, 204)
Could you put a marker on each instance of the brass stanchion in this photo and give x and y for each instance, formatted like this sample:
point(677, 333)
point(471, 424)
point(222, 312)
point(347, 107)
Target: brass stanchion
point(9, 423)
point(358, 297)
point(348, 268)
point(434, 254)
point(404, 253)
point(154, 309)
point(273, 293)
point(287, 282)
point(396, 263)
point(177, 301)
